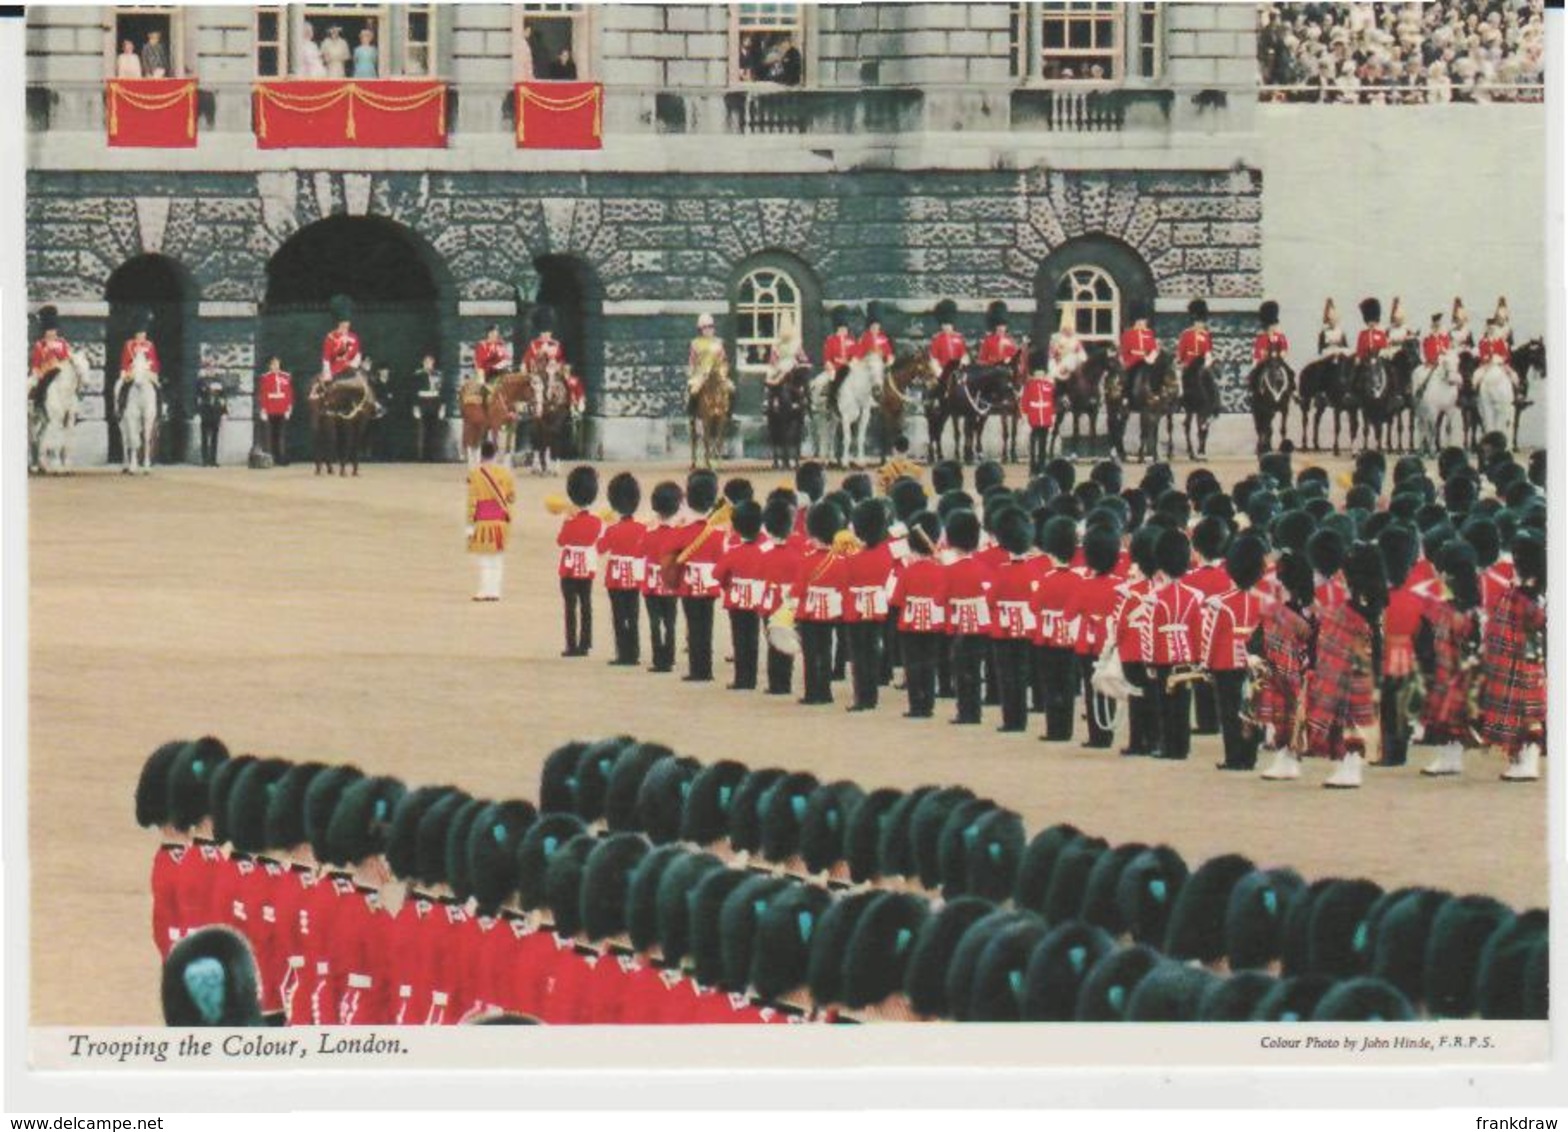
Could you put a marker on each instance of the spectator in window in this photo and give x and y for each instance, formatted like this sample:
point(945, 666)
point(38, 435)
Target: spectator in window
point(310, 64)
point(129, 64)
point(750, 63)
point(155, 56)
point(786, 69)
point(365, 66)
point(564, 68)
point(335, 54)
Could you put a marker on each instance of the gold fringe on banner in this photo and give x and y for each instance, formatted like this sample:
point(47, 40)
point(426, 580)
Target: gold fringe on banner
point(152, 102)
point(527, 95)
point(311, 104)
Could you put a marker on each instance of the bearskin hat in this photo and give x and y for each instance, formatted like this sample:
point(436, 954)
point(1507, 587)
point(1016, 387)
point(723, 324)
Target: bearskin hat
point(642, 904)
point(1108, 474)
point(1399, 943)
point(1198, 310)
point(210, 979)
point(1500, 984)
point(595, 764)
point(706, 920)
point(953, 841)
point(1529, 553)
point(674, 899)
point(830, 944)
point(1536, 994)
point(996, 315)
point(361, 820)
point(811, 480)
point(1143, 549)
point(1234, 999)
point(430, 837)
point(152, 785)
point(1058, 968)
point(1173, 553)
point(964, 968)
point(1459, 934)
point(535, 849)
point(1172, 992)
point(927, 820)
point(738, 490)
point(625, 783)
point(869, 522)
point(48, 318)
point(1147, 890)
point(880, 947)
point(1396, 544)
point(1064, 899)
point(868, 823)
point(624, 494)
point(1293, 529)
point(558, 778)
point(563, 883)
point(247, 824)
point(743, 818)
point(1014, 531)
point(824, 521)
point(582, 485)
point(1101, 549)
point(1268, 314)
point(1459, 494)
point(1210, 537)
point(1059, 538)
point(1363, 1000)
point(666, 499)
point(1364, 578)
point(286, 806)
point(783, 814)
point(190, 781)
point(946, 476)
point(456, 848)
point(1175, 505)
point(321, 801)
point(738, 919)
point(1295, 946)
point(1255, 916)
point(661, 798)
point(1361, 496)
point(781, 942)
point(993, 853)
point(1039, 861)
point(1261, 508)
point(1158, 478)
point(1481, 534)
point(542, 319)
point(1293, 999)
point(925, 975)
point(825, 826)
point(778, 518)
point(989, 475)
point(1338, 937)
point(963, 530)
point(341, 308)
point(702, 490)
point(1244, 560)
point(1294, 573)
point(1062, 471)
point(1197, 927)
point(218, 791)
point(955, 500)
point(1112, 981)
point(1001, 976)
point(908, 498)
point(493, 842)
point(403, 838)
point(1099, 901)
point(945, 312)
point(1371, 310)
point(1276, 466)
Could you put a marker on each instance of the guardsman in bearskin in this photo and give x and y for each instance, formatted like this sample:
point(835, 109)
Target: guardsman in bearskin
point(432, 393)
point(1437, 341)
point(357, 839)
point(818, 596)
point(1177, 621)
point(1401, 621)
point(1132, 628)
point(1013, 598)
point(1038, 404)
point(1341, 687)
point(698, 549)
point(340, 349)
point(661, 575)
point(1196, 344)
point(1210, 537)
point(492, 354)
point(998, 348)
point(780, 567)
point(47, 354)
point(874, 340)
point(1332, 341)
point(152, 812)
point(210, 979)
point(869, 580)
point(1230, 618)
point(624, 564)
point(1512, 696)
point(1281, 662)
point(544, 348)
point(491, 493)
point(1269, 340)
point(969, 584)
point(1372, 342)
point(920, 594)
point(138, 346)
point(1095, 601)
point(1139, 347)
point(839, 348)
point(1448, 647)
point(739, 574)
point(579, 543)
point(1057, 625)
point(212, 405)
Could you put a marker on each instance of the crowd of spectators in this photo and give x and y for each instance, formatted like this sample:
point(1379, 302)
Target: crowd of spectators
point(1448, 51)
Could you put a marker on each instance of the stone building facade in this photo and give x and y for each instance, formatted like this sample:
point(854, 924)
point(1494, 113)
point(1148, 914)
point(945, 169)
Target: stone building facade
point(925, 155)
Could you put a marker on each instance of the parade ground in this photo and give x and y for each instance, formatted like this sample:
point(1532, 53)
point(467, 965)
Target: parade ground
point(315, 617)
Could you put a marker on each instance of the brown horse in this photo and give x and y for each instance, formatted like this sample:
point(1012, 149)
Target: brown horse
point(546, 403)
point(708, 411)
point(1008, 408)
point(340, 412)
point(908, 373)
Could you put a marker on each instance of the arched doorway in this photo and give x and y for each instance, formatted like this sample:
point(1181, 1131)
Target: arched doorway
point(765, 290)
point(162, 286)
point(568, 286)
point(404, 306)
point(1100, 278)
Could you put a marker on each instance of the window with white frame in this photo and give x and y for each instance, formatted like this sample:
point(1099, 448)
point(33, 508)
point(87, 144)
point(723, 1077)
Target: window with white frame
point(271, 42)
point(350, 39)
point(1085, 42)
point(419, 40)
point(146, 42)
point(551, 42)
point(767, 43)
point(1095, 302)
point(765, 297)
point(1148, 40)
point(391, 40)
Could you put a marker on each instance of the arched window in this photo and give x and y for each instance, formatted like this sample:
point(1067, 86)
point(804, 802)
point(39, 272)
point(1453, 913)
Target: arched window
point(763, 297)
point(1095, 300)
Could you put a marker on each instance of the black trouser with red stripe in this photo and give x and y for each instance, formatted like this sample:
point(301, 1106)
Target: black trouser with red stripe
point(865, 661)
point(1012, 662)
point(625, 618)
point(920, 652)
point(577, 597)
point(1058, 689)
point(816, 647)
point(699, 636)
point(745, 627)
point(661, 631)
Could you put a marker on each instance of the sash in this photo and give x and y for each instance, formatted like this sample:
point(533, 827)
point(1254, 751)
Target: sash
point(498, 498)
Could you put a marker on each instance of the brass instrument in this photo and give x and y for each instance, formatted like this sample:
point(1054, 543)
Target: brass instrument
point(671, 565)
point(1187, 674)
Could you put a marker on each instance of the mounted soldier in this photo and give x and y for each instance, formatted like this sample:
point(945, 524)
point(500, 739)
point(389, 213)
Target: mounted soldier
point(948, 349)
point(839, 350)
point(49, 352)
point(492, 355)
point(545, 348)
point(1067, 352)
point(340, 350)
point(137, 347)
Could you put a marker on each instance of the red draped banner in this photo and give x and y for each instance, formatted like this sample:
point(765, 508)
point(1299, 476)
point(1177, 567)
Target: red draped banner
point(560, 115)
point(351, 113)
point(156, 113)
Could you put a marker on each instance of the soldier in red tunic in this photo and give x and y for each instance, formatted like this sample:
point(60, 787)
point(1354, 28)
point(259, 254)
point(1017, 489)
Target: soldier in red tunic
point(661, 575)
point(340, 350)
point(1341, 687)
point(998, 348)
point(137, 347)
point(1196, 344)
point(1038, 405)
point(624, 566)
point(47, 355)
point(1210, 537)
point(920, 594)
point(1512, 694)
point(1280, 665)
point(1270, 341)
point(1177, 621)
point(1448, 646)
point(492, 354)
point(152, 812)
point(818, 598)
point(275, 401)
point(969, 584)
point(839, 349)
point(1140, 349)
point(698, 546)
point(739, 574)
point(1093, 602)
point(1372, 342)
point(1057, 624)
point(873, 340)
point(1131, 626)
point(1230, 620)
point(1494, 348)
point(544, 348)
point(579, 565)
point(1436, 343)
point(1013, 597)
point(869, 580)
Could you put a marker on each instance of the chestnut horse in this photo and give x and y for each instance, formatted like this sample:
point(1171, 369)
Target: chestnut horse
point(340, 411)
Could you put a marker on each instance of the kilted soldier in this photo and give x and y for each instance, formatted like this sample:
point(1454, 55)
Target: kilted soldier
point(340, 349)
point(491, 493)
point(1056, 632)
point(138, 347)
point(212, 405)
point(624, 566)
point(868, 581)
point(1038, 403)
point(1448, 647)
point(661, 576)
point(969, 583)
point(1401, 621)
point(1230, 619)
point(780, 566)
point(739, 575)
point(1512, 695)
point(699, 546)
point(920, 595)
point(432, 393)
point(579, 543)
point(818, 597)
point(1281, 663)
point(1094, 601)
point(49, 352)
point(1014, 625)
point(1341, 686)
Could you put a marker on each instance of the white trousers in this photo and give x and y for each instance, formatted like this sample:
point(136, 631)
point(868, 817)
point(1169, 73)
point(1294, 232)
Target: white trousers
point(490, 567)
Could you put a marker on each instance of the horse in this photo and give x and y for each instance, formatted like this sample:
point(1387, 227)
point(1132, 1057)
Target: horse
point(940, 410)
point(54, 415)
point(1156, 391)
point(857, 395)
point(139, 418)
point(340, 411)
point(1200, 398)
point(1526, 359)
point(1007, 407)
point(904, 381)
point(784, 408)
point(1437, 395)
point(1401, 397)
point(1321, 386)
point(708, 411)
point(1495, 396)
point(1078, 395)
point(974, 395)
point(1375, 388)
point(547, 403)
point(1271, 393)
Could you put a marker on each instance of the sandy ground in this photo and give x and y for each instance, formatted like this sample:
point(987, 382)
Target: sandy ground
point(314, 617)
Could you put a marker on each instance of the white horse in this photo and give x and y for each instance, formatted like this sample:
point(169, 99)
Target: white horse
point(1495, 397)
point(139, 420)
point(53, 426)
point(1437, 395)
point(857, 396)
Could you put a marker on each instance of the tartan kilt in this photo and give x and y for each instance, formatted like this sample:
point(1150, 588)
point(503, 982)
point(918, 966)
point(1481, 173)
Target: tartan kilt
point(1275, 703)
point(1334, 705)
point(1445, 714)
point(1512, 702)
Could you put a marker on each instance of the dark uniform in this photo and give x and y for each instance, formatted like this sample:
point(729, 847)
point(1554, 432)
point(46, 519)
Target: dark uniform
point(431, 394)
point(212, 405)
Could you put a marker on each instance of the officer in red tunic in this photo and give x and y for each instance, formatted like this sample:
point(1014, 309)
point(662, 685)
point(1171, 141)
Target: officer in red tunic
point(867, 584)
point(1139, 347)
point(780, 567)
point(1196, 344)
point(1013, 594)
point(1229, 620)
point(544, 347)
point(661, 575)
point(1092, 603)
point(1210, 537)
point(997, 348)
point(340, 350)
point(920, 595)
point(579, 565)
point(492, 354)
point(1177, 619)
point(874, 340)
point(275, 402)
point(137, 346)
point(969, 584)
point(739, 574)
point(1494, 348)
point(1270, 341)
point(1436, 343)
point(1132, 627)
point(1038, 404)
point(839, 348)
point(1054, 598)
point(698, 547)
point(1372, 342)
point(48, 353)
point(818, 598)
point(621, 544)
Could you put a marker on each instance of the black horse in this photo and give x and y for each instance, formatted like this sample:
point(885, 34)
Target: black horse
point(1200, 400)
point(940, 411)
point(976, 394)
point(1321, 386)
point(1373, 389)
point(1271, 393)
point(1525, 359)
point(784, 408)
point(1156, 391)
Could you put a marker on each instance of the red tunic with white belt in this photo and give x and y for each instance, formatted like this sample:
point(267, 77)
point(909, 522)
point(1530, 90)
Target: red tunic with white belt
point(658, 541)
point(868, 583)
point(740, 575)
point(1134, 620)
point(780, 568)
point(145, 349)
point(1054, 601)
point(703, 546)
point(874, 342)
point(1137, 343)
point(1039, 402)
point(838, 350)
point(969, 583)
point(948, 348)
point(1178, 623)
point(1093, 603)
point(1229, 620)
point(997, 349)
point(920, 593)
point(1012, 597)
point(1495, 349)
point(276, 393)
point(579, 543)
point(1269, 340)
point(821, 585)
point(1434, 346)
point(621, 543)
